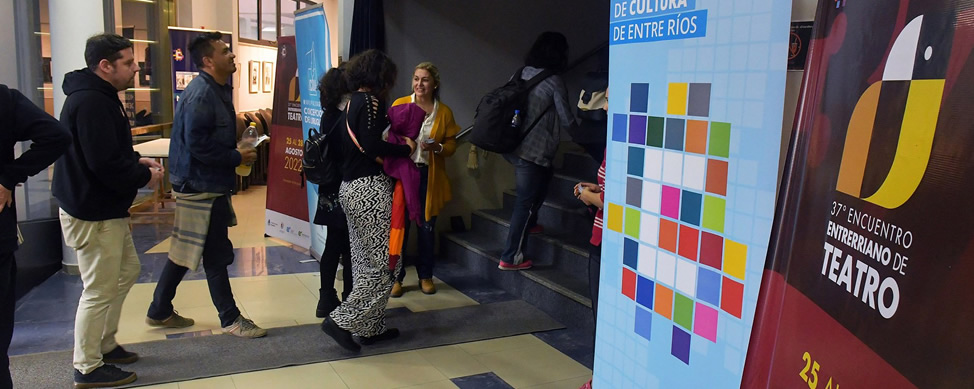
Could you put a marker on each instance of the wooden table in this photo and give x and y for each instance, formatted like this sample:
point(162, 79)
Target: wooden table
point(142, 130)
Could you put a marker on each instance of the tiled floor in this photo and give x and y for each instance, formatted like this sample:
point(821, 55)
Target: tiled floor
point(266, 272)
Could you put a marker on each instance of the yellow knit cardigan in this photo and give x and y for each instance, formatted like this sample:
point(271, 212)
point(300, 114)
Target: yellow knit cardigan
point(444, 131)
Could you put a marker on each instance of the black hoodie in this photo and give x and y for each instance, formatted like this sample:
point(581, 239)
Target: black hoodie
point(24, 121)
point(97, 179)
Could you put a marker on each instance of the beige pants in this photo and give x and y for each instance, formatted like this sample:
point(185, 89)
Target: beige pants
point(109, 267)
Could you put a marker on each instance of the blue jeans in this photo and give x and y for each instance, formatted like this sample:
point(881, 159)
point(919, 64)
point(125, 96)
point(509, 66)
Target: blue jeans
point(426, 237)
point(531, 182)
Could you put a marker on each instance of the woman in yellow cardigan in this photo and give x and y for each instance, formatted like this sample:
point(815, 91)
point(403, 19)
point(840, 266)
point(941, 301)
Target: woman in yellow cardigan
point(437, 140)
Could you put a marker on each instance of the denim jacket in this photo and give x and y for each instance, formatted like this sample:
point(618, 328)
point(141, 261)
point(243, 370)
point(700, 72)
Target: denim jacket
point(203, 146)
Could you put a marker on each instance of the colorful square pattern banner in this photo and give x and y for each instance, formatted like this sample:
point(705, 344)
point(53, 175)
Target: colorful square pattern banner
point(696, 96)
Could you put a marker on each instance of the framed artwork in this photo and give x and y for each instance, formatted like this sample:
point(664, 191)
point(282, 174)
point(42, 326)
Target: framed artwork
point(254, 76)
point(268, 74)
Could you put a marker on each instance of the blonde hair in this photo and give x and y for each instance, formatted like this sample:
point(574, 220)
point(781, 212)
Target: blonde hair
point(434, 73)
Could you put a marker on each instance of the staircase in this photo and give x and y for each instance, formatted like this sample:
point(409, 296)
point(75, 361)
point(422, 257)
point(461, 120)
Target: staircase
point(558, 282)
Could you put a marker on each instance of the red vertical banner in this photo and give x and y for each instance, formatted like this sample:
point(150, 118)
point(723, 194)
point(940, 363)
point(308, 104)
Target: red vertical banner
point(287, 203)
point(868, 279)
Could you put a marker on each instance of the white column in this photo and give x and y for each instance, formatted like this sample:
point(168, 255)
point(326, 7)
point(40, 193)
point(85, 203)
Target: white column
point(72, 23)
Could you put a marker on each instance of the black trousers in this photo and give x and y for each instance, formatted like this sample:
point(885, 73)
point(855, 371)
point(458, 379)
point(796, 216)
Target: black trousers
point(217, 256)
point(8, 299)
point(594, 270)
point(337, 249)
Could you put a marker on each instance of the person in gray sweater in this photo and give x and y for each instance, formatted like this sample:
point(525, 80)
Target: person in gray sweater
point(532, 159)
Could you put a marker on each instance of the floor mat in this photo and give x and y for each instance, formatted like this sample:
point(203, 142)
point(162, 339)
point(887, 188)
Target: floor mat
point(192, 358)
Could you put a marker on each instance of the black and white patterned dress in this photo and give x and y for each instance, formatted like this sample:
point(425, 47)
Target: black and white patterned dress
point(366, 197)
point(368, 205)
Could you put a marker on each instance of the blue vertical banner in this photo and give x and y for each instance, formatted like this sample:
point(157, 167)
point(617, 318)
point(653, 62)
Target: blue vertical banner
point(314, 59)
point(183, 68)
point(697, 93)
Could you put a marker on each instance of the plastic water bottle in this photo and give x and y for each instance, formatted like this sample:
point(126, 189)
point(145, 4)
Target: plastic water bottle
point(247, 140)
point(516, 120)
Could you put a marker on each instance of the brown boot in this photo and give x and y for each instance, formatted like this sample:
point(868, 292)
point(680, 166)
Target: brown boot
point(427, 286)
point(396, 290)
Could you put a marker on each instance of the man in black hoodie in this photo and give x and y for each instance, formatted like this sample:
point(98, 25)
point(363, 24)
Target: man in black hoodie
point(24, 121)
point(95, 183)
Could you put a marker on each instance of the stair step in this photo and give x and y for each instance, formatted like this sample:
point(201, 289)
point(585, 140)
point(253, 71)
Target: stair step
point(562, 188)
point(567, 215)
point(551, 248)
point(483, 255)
point(583, 164)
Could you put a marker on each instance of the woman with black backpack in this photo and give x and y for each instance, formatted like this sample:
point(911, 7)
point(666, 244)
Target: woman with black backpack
point(334, 97)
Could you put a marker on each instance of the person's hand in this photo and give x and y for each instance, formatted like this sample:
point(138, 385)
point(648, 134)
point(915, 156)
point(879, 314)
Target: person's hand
point(150, 162)
point(587, 185)
point(590, 198)
point(6, 198)
point(247, 154)
point(583, 194)
point(412, 145)
point(434, 147)
point(156, 180)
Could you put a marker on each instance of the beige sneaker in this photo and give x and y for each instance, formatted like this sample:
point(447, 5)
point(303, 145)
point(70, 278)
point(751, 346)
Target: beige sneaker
point(244, 328)
point(174, 321)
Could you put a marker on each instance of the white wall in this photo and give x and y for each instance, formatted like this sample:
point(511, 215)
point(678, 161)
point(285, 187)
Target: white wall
point(345, 8)
point(802, 10)
point(8, 63)
point(208, 14)
point(247, 101)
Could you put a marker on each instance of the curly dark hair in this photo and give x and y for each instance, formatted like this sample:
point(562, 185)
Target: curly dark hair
point(201, 46)
point(105, 46)
point(371, 69)
point(550, 51)
point(331, 87)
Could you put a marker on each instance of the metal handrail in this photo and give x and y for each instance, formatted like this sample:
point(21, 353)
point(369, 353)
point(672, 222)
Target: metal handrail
point(570, 67)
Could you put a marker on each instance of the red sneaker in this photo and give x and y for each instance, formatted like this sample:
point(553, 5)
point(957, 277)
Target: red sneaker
point(537, 229)
point(510, 266)
point(587, 385)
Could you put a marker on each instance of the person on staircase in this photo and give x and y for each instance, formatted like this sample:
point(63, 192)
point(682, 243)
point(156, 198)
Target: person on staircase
point(329, 213)
point(533, 158)
point(437, 141)
point(593, 195)
point(366, 197)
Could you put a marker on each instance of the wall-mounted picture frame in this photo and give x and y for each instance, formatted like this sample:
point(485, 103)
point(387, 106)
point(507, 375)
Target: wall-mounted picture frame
point(268, 76)
point(254, 76)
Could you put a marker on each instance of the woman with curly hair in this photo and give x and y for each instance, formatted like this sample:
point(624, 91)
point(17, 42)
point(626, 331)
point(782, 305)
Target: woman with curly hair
point(366, 197)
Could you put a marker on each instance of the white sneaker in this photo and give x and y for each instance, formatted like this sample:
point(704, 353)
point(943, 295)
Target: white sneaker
point(244, 328)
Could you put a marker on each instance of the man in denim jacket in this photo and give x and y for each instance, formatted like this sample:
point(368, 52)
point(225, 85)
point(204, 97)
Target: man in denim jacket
point(202, 156)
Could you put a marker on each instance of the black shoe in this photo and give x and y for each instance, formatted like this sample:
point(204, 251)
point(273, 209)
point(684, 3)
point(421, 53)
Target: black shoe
point(390, 333)
point(327, 303)
point(341, 336)
point(119, 356)
point(105, 376)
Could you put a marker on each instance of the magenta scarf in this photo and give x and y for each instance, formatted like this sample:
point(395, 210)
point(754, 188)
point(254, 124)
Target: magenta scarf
point(405, 121)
